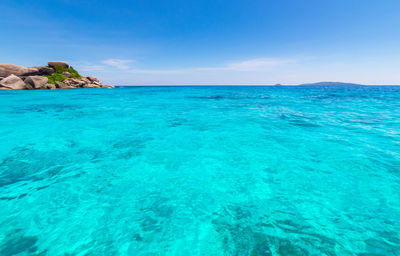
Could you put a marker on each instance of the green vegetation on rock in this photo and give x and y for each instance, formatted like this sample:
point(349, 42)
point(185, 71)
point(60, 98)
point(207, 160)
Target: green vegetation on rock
point(55, 77)
point(58, 75)
point(74, 73)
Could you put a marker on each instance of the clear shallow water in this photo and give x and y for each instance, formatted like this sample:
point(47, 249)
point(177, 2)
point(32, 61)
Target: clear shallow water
point(200, 171)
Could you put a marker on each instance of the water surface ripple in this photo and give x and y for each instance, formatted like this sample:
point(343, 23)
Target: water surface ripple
point(200, 171)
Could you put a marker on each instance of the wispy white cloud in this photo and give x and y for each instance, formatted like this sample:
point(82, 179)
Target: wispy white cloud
point(252, 65)
point(259, 64)
point(117, 63)
point(92, 68)
point(159, 71)
point(106, 64)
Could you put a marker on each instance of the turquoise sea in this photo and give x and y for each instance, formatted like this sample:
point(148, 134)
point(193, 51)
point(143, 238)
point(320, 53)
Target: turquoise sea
point(200, 171)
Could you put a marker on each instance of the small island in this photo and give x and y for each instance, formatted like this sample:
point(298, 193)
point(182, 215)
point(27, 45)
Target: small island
point(330, 84)
point(56, 75)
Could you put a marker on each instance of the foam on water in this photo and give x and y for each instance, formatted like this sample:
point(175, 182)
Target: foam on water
point(200, 171)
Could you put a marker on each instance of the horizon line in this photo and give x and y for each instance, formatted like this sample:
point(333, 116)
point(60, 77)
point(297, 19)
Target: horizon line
point(257, 85)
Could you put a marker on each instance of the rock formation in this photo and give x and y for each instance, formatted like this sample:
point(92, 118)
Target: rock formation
point(56, 75)
point(53, 64)
point(10, 69)
point(37, 82)
point(13, 82)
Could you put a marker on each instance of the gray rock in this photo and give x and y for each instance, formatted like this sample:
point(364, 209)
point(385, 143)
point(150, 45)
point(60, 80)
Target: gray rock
point(85, 80)
point(45, 70)
point(62, 85)
point(28, 87)
point(58, 63)
point(50, 86)
point(74, 82)
point(37, 82)
point(13, 82)
point(77, 82)
point(67, 74)
point(93, 79)
point(90, 86)
point(10, 69)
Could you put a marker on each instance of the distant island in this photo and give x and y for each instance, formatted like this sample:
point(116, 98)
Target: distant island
point(330, 84)
point(56, 75)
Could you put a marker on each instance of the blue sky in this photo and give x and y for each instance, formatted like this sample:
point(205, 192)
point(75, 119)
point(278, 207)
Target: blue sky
point(156, 42)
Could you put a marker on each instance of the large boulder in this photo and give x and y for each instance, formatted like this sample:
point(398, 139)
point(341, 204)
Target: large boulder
point(45, 70)
point(13, 82)
point(10, 69)
point(37, 82)
point(107, 86)
point(58, 63)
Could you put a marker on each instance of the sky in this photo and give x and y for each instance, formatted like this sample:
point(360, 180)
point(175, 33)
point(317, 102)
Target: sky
point(208, 42)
